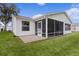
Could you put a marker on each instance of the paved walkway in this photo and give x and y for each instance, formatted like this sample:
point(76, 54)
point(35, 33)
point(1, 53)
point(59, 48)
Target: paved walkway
point(31, 38)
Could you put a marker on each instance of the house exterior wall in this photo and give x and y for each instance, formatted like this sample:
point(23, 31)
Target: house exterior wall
point(31, 30)
point(17, 27)
point(14, 25)
point(60, 17)
point(17, 24)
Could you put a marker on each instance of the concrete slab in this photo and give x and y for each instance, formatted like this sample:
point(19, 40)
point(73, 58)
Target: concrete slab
point(31, 38)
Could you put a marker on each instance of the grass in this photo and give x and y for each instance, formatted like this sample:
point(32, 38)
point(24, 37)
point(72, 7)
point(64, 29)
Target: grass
point(54, 46)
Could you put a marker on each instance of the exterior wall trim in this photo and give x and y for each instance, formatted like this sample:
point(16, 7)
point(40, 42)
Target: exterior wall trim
point(46, 27)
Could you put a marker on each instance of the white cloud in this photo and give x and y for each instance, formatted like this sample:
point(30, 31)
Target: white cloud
point(38, 15)
point(41, 4)
point(75, 5)
point(74, 14)
point(73, 11)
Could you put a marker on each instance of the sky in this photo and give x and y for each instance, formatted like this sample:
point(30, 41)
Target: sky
point(38, 9)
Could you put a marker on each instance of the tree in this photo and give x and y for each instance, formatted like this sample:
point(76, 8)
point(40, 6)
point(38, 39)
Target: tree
point(6, 10)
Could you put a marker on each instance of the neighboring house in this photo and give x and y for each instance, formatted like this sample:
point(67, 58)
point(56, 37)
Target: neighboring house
point(75, 27)
point(44, 26)
point(9, 26)
point(1, 26)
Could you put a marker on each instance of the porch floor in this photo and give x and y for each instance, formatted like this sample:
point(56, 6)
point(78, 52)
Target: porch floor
point(31, 38)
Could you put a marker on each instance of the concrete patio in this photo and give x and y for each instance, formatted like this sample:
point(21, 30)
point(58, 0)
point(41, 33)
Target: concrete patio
point(31, 38)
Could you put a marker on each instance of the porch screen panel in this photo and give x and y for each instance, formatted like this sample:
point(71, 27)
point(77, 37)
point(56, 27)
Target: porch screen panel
point(36, 28)
point(56, 28)
point(44, 27)
point(61, 28)
point(50, 27)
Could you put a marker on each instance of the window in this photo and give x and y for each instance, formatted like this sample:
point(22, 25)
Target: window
point(25, 26)
point(67, 27)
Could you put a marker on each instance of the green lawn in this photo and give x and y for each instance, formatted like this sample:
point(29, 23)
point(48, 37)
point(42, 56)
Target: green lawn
point(62, 45)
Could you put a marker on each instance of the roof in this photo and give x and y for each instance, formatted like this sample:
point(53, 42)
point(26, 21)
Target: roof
point(48, 14)
point(23, 17)
point(44, 16)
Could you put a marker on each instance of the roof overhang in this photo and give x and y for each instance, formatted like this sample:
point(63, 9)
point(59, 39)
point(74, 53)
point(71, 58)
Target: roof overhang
point(49, 14)
point(24, 18)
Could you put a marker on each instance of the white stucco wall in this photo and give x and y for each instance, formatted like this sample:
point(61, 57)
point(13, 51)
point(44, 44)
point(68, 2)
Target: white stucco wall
point(60, 17)
point(17, 27)
point(14, 25)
